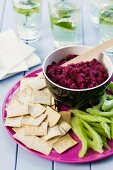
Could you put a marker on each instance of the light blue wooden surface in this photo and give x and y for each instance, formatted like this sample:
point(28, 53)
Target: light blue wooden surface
point(13, 157)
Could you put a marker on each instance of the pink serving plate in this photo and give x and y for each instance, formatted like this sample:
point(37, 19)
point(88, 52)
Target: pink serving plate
point(70, 156)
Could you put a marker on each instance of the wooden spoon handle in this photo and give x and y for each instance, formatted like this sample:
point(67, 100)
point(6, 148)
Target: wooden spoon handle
point(91, 53)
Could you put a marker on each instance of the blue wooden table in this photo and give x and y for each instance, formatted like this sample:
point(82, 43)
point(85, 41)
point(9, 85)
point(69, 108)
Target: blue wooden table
point(12, 156)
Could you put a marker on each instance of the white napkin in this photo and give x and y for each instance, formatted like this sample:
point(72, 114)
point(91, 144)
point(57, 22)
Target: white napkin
point(15, 56)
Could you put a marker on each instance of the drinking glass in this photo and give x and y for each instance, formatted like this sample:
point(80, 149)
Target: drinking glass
point(106, 21)
point(65, 19)
point(28, 18)
point(94, 14)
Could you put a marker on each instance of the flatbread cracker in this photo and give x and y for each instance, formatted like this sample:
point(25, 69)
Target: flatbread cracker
point(66, 116)
point(52, 132)
point(25, 95)
point(53, 107)
point(42, 97)
point(17, 109)
point(53, 116)
point(40, 75)
point(64, 143)
point(62, 131)
point(13, 122)
point(31, 121)
point(35, 83)
point(52, 101)
point(36, 130)
point(53, 140)
point(46, 90)
point(26, 140)
point(10, 105)
point(36, 110)
point(41, 146)
point(65, 126)
point(15, 129)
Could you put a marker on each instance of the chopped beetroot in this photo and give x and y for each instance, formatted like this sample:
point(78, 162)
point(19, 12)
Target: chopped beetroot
point(82, 75)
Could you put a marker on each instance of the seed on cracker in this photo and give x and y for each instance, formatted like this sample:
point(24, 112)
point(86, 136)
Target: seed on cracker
point(64, 143)
point(35, 83)
point(52, 132)
point(17, 109)
point(31, 121)
point(36, 130)
point(13, 122)
point(53, 116)
point(36, 110)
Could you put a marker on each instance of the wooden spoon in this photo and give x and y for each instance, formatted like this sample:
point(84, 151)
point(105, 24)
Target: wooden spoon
point(91, 54)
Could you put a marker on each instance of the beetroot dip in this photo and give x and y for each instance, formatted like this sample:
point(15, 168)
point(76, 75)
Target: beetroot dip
point(81, 75)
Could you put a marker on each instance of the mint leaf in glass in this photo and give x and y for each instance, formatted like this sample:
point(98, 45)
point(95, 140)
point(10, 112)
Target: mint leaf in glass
point(66, 25)
point(27, 12)
point(106, 16)
point(64, 13)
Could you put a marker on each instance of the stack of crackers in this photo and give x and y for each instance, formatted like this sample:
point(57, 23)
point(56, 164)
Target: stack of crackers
point(35, 120)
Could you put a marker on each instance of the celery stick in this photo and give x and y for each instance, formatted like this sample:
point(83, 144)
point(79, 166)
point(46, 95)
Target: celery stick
point(110, 86)
point(91, 118)
point(81, 112)
point(100, 113)
point(77, 128)
point(106, 128)
point(104, 141)
point(96, 143)
point(111, 127)
point(108, 104)
point(89, 135)
point(97, 125)
point(100, 129)
point(100, 132)
point(109, 97)
point(98, 107)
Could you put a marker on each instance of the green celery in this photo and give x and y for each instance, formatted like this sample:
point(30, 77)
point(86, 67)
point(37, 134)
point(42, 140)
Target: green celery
point(106, 128)
point(97, 125)
point(80, 111)
point(91, 118)
point(108, 104)
point(109, 97)
point(101, 128)
point(104, 141)
point(98, 113)
point(98, 107)
point(110, 86)
point(100, 131)
point(96, 142)
point(111, 127)
point(78, 129)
